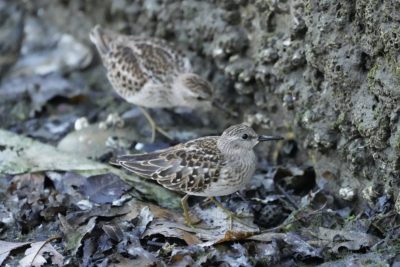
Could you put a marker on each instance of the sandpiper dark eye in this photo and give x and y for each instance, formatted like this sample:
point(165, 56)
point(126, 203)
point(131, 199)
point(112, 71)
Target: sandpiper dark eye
point(245, 136)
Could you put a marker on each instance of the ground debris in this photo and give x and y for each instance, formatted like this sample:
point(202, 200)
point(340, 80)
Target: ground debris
point(75, 233)
point(35, 255)
point(39, 253)
point(40, 89)
point(93, 142)
point(24, 155)
point(103, 188)
point(103, 224)
point(350, 240)
point(7, 247)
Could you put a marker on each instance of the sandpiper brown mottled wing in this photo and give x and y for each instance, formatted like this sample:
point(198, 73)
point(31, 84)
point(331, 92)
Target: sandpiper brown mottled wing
point(188, 167)
point(208, 166)
point(150, 73)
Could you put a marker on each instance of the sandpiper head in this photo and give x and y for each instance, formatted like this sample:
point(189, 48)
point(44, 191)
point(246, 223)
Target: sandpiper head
point(196, 91)
point(243, 137)
point(101, 39)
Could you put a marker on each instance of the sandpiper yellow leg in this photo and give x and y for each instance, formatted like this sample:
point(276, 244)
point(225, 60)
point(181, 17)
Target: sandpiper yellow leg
point(185, 208)
point(231, 215)
point(154, 126)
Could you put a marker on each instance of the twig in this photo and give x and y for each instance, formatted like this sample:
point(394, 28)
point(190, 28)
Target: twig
point(292, 221)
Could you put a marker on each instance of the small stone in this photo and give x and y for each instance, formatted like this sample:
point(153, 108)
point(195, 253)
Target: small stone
point(81, 123)
point(268, 55)
point(114, 120)
point(103, 125)
point(85, 204)
point(347, 193)
point(371, 192)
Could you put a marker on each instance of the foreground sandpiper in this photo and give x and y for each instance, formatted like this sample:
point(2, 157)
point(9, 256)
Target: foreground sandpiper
point(208, 166)
point(150, 73)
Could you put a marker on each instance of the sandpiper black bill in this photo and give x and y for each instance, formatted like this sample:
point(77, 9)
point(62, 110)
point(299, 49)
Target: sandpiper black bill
point(262, 138)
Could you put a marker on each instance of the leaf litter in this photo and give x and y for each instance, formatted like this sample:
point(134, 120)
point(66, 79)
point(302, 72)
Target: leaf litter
point(98, 224)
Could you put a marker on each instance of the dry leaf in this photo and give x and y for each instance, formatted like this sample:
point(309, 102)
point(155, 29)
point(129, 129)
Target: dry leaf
point(103, 188)
point(145, 217)
point(34, 255)
point(351, 240)
point(229, 235)
point(172, 229)
point(74, 235)
point(141, 260)
point(7, 247)
point(296, 243)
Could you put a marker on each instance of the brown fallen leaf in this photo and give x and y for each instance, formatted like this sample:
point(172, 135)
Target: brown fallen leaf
point(172, 229)
point(267, 237)
point(140, 260)
point(144, 219)
point(135, 207)
point(114, 232)
point(7, 247)
point(108, 211)
point(34, 255)
point(351, 240)
point(233, 236)
point(75, 234)
point(229, 235)
point(297, 244)
point(27, 181)
point(103, 188)
point(181, 260)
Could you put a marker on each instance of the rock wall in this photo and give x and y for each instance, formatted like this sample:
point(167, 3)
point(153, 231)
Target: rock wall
point(324, 72)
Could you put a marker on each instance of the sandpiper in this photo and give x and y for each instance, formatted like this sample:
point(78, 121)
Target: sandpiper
point(208, 166)
point(150, 73)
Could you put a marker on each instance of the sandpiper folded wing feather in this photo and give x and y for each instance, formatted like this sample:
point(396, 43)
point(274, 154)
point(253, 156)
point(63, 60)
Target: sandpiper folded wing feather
point(143, 62)
point(143, 164)
point(156, 54)
point(189, 167)
point(158, 51)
